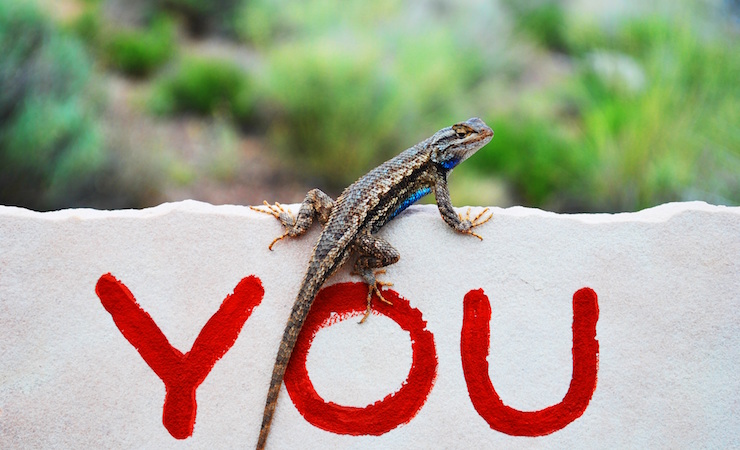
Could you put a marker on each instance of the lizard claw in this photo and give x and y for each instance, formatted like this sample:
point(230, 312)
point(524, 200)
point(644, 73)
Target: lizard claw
point(374, 288)
point(283, 215)
point(284, 235)
point(475, 222)
point(276, 210)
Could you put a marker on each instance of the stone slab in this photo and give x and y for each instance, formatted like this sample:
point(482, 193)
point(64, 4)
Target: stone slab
point(667, 281)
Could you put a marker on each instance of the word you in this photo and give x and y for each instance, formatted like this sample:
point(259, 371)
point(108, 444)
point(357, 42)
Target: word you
point(182, 373)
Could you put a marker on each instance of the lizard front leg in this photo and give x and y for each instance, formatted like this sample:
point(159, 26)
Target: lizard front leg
point(375, 252)
point(454, 219)
point(316, 204)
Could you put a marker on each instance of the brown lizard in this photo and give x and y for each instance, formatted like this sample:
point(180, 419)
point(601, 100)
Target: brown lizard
point(350, 223)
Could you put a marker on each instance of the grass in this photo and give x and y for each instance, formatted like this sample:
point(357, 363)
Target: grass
point(536, 156)
point(202, 17)
point(49, 134)
point(333, 110)
point(138, 53)
point(646, 117)
point(642, 109)
point(657, 144)
point(205, 86)
point(346, 92)
point(544, 21)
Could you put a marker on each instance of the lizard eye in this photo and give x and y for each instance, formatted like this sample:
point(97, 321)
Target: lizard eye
point(461, 131)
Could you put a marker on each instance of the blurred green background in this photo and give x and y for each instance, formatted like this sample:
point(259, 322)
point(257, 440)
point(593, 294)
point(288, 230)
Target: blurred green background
point(596, 106)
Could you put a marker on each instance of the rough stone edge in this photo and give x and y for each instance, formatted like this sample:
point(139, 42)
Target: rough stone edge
point(658, 213)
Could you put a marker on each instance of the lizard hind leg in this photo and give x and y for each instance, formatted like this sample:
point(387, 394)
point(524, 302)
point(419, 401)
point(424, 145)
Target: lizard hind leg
point(375, 253)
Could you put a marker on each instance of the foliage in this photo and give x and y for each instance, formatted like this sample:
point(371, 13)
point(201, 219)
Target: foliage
point(543, 20)
point(608, 114)
point(272, 22)
point(205, 86)
point(647, 117)
point(88, 25)
point(437, 73)
point(674, 139)
point(346, 92)
point(203, 16)
point(334, 111)
point(537, 158)
point(49, 137)
point(137, 52)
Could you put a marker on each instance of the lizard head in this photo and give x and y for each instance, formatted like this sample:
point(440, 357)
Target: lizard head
point(453, 145)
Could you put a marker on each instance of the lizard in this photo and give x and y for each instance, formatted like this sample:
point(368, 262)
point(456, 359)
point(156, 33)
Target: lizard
point(351, 221)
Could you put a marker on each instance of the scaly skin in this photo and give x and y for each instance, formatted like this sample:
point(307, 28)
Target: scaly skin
point(350, 224)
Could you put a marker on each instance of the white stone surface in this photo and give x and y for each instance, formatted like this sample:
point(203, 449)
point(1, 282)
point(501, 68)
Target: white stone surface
point(667, 280)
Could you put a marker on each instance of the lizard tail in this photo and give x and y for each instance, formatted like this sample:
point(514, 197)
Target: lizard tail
point(271, 403)
point(290, 336)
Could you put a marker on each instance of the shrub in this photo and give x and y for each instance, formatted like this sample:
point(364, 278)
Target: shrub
point(138, 53)
point(336, 112)
point(672, 140)
point(438, 73)
point(258, 21)
point(541, 161)
point(651, 109)
point(352, 89)
point(270, 22)
point(87, 26)
point(205, 86)
point(49, 137)
point(204, 17)
point(543, 20)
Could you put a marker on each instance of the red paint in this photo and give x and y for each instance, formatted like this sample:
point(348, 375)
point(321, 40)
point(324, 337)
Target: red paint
point(345, 300)
point(474, 346)
point(181, 373)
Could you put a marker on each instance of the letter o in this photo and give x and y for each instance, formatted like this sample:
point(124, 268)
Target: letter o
point(344, 300)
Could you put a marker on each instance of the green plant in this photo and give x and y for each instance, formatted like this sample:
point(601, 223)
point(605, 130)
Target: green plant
point(271, 22)
point(203, 16)
point(88, 26)
point(205, 86)
point(673, 140)
point(543, 20)
point(541, 161)
point(349, 90)
point(49, 136)
point(336, 112)
point(138, 53)
point(438, 72)
point(647, 117)
point(259, 21)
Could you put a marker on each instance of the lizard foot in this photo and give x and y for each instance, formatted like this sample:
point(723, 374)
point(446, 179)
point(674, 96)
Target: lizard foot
point(283, 215)
point(374, 288)
point(475, 222)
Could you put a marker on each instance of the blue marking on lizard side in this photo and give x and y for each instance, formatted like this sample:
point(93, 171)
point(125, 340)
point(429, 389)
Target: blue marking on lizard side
point(409, 201)
point(451, 163)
